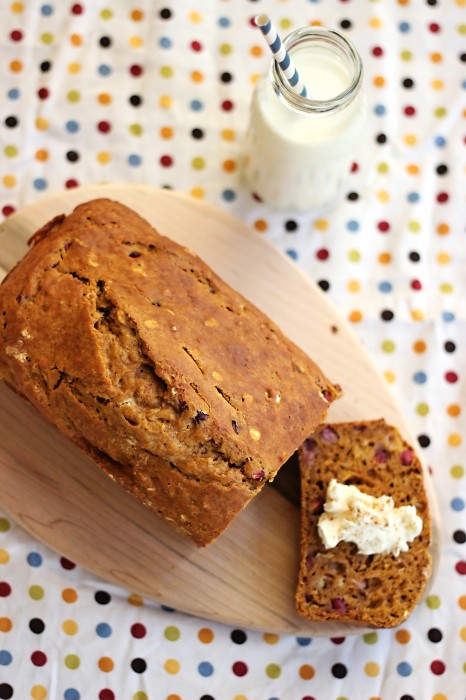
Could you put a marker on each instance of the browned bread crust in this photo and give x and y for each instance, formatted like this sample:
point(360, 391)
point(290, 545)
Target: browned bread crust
point(339, 583)
point(180, 389)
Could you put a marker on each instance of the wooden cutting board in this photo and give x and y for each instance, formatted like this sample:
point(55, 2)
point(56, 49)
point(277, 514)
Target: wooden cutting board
point(247, 577)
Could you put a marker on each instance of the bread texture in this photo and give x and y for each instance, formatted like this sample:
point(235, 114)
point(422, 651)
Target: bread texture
point(378, 590)
point(181, 390)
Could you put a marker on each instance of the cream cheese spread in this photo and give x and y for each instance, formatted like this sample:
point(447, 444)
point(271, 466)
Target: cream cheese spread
point(373, 524)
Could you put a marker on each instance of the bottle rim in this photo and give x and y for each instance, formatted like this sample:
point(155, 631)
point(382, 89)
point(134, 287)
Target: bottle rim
point(346, 50)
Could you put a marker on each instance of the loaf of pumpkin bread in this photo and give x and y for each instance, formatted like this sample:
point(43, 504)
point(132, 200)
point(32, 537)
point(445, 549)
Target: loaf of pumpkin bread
point(186, 394)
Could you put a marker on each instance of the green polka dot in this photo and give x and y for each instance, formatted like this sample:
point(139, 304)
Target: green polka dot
point(140, 695)
point(11, 151)
point(414, 226)
point(4, 525)
point(166, 72)
point(46, 38)
point(371, 637)
point(273, 671)
point(388, 346)
point(73, 96)
point(198, 163)
point(422, 409)
point(72, 661)
point(457, 471)
point(172, 633)
point(446, 288)
point(383, 168)
point(354, 255)
point(406, 55)
point(440, 112)
point(225, 49)
point(36, 592)
point(135, 129)
point(433, 602)
point(106, 13)
point(464, 667)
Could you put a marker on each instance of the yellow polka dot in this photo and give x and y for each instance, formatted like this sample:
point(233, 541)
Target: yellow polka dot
point(422, 409)
point(254, 78)
point(38, 692)
point(270, 638)
point(135, 42)
point(165, 101)
point(137, 15)
point(455, 439)
point(403, 636)
point(354, 255)
point(47, 38)
point(412, 169)
point(5, 624)
point(74, 68)
point(375, 23)
point(372, 669)
point(197, 76)
point(410, 139)
point(383, 168)
point(439, 696)
point(379, 81)
point(436, 57)
point(355, 316)
point(228, 135)
point(388, 346)
point(446, 288)
point(321, 224)
point(306, 672)
point(261, 225)
point(256, 51)
point(225, 49)
point(443, 258)
point(443, 229)
point(195, 17)
point(406, 55)
point(437, 84)
point(457, 472)
point(205, 635)
point(106, 13)
point(16, 66)
point(390, 377)
point(285, 23)
point(462, 28)
point(417, 315)
point(460, 3)
point(354, 286)
point(414, 226)
point(463, 634)
point(104, 98)
point(383, 196)
point(385, 258)
point(76, 40)
point(135, 599)
point(9, 181)
point(4, 556)
point(10, 151)
point(198, 163)
point(229, 166)
point(454, 410)
point(42, 124)
point(197, 192)
point(419, 346)
point(106, 664)
point(166, 72)
point(103, 157)
point(17, 7)
point(70, 627)
point(440, 112)
point(73, 96)
point(171, 666)
point(135, 129)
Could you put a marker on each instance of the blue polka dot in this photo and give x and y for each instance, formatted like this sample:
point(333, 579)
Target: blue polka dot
point(420, 377)
point(47, 10)
point(196, 105)
point(404, 669)
point(34, 559)
point(71, 694)
point(457, 504)
point(224, 22)
point(292, 253)
point(14, 94)
point(413, 197)
point(380, 110)
point(352, 225)
point(229, 195)
point(104, 70)
point(385, 287)
point(40, 184)
point(165, 42)
point(448, 316)
point(404, 27)
point(72, 126)
point(5, 658)
point(134, 159)
point(463, 84)
point(103, 629)
point(440, 141)
point(205, 669)
point(304, 641)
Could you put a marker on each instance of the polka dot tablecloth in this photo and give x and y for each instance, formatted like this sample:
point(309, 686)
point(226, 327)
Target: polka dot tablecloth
point(158, 93)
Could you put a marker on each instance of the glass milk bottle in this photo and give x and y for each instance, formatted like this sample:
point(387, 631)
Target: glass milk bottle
point(299, 150)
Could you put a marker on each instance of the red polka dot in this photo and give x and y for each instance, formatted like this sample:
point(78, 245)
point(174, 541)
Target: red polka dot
point(322, 254)
point(377, 51)
point(67, 564)
point(461, 568)
point(77, 9)
point(136, 70)
point(5, 589)
point(409, 111)
point(166, 161)
point(442, 197)
point(337, 640)
point(354, 167)
point(43, 93)
point(104, 127)
point(69, 184)
point(416, 285)
point(434, 27)
point(451, 377)
point(227, 105)
point(239, 668)
point(16, 35)
point(383, 226)
point(252, 21)
point(106, 694)
point(8, 210)
point(38, 658)
point(138, 630)
point(196, 46)
point(437, 667)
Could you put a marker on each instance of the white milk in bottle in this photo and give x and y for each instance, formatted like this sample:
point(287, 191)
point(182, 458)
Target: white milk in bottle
point(299, 150)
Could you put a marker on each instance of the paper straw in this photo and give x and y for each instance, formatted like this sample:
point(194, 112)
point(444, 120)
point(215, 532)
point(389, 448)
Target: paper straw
point(280, 54)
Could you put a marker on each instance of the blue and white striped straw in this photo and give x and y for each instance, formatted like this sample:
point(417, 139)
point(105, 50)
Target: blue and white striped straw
point(280, 54)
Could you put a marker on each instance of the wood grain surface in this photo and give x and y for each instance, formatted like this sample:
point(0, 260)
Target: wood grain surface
point(248, 576)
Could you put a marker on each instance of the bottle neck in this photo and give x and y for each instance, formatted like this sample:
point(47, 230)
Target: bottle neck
point(318, 47)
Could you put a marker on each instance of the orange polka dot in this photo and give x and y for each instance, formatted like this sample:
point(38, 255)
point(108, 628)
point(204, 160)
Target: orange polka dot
point(403, 636)
point(76, 40)
point(74, 68)
point(166, 132)
point(173, 697)
point(436, 57)
point(355, 316)
point(417, 315)
point(106, 664)
point(315, 23)
point(69, 595)
point(104, 98)
point(42, 155)
point(410, 139)
point(270, 638)
point(443, 229)
point(437, 84)
point(197, 76)
point(228, 135)
point(454, 410)
point(256, 51)
point(321, 224)
point(306, 672)
point(462, 602)
point(16, 66)
point(229, 166)
point(135, 599)
point(419, 346)
point(261, 225)
point(455, 439)
point(205, 635)
point(403, 2)
point(379, 81)
point(137, 15)
point(384, 258)
point(5, 624)
point(412, 169)
point(197, 192)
